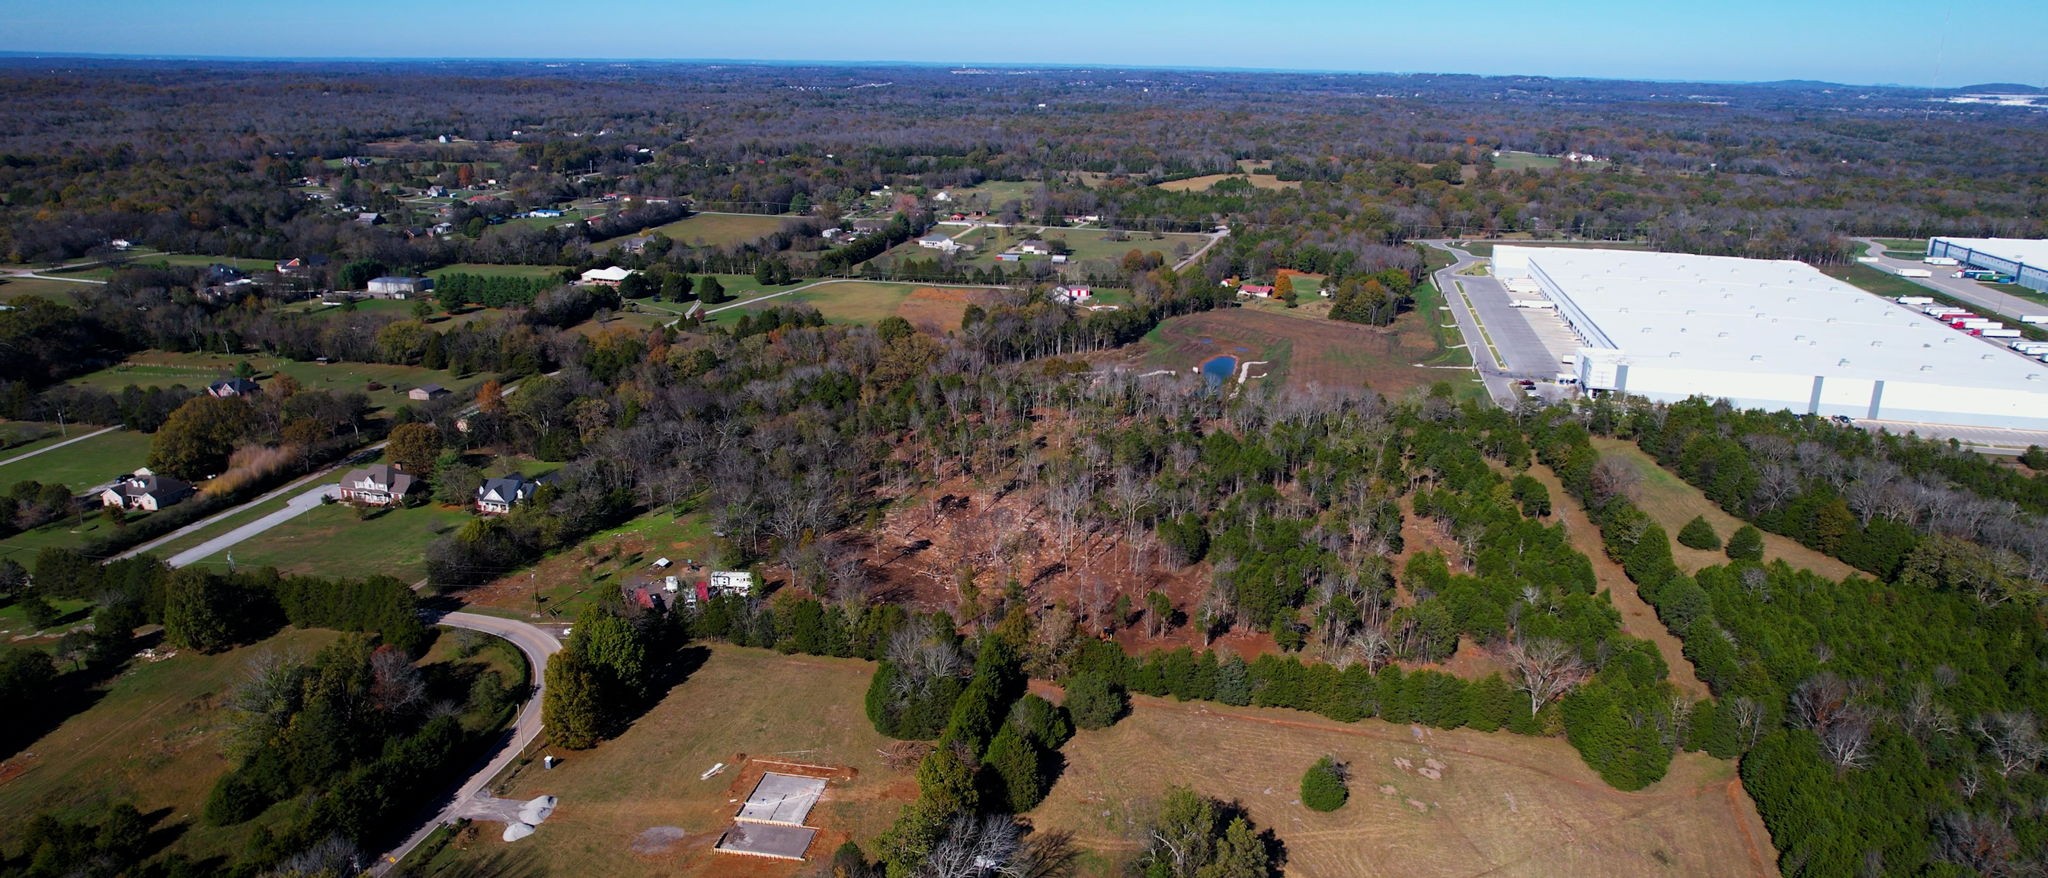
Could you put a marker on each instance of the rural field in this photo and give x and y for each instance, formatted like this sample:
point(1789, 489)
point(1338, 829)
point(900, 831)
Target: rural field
point(1208, 181)
point(489, 270)
point(166, 368)
point(1505, 805)
point(80, 465)
point(990, 195)
point(869, 302)
point(55, 290)
point(712, 229)
point(329, 540)
point(568, 581)
point(1672, 502)
point(1303, 349)
point(637, 805)
point(153, 739)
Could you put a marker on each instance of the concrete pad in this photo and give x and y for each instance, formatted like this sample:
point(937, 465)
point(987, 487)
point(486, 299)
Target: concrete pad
point(782, 798)
point(766, 840)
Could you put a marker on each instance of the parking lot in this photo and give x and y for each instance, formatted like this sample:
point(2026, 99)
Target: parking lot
point(1534, 341)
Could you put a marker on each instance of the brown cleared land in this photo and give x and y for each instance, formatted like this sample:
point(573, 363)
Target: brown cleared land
point(1672, 502)
point(1302, 350)
point(1506, 805)
point(740, 707)
point(1208, 181)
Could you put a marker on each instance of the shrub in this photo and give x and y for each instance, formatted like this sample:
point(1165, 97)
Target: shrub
point(1094, 701)
point(1746, 544)
point(1322, 788)
point(1698, 534)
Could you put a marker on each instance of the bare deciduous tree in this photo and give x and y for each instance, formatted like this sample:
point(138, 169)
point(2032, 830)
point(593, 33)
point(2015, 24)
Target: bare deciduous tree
point(1545, 668)
point(2014, 739)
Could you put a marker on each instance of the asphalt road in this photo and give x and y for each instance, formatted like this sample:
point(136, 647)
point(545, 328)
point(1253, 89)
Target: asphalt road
point(326, 475)
point(298, 506)
point(1498, 383)
point(1962, 288)
point(538, 645)
point(21, 457)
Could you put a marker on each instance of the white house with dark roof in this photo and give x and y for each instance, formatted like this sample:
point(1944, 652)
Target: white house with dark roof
point(498, 496)
point(379, 485)
point(146, 491)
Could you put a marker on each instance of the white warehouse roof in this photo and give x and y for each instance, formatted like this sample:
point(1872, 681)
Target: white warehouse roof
point(2025, 250)
point(1773, 334)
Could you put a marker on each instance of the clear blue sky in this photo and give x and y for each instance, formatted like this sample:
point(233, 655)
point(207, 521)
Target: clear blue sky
point(1915, 43)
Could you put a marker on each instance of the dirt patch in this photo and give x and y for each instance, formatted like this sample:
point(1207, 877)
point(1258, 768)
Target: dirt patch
point(938, 310)
point(657, 840)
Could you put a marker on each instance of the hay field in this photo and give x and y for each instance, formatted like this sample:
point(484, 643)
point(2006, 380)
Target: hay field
point(1505, 805)
point(740, 704)
point(1672, 502)
point(715, 229)
point(1208, 181)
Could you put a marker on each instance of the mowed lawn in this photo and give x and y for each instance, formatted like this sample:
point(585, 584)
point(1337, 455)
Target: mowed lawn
point(154, 739)
point(80, 465)
point(330, 540)
point(740, 704)
point(1208, 181)
point(713, 230)
point(1672, 502)
point(56, 290)
point(1505, 805)
point(167, 368)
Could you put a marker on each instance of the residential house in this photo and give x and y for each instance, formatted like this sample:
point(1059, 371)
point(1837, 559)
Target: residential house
point(544, 213)
point(498, 496)
point(939, 242)
point(865, 226)
point(1258, 291)
point(1072, 295)
point(607, 277)
point(221, 273)
point(379, 485)
point(369, 218)
point(232, 387)
point(638, 244)
point(299, 265)
point(120, 244)
point(1034, 247)
point(146, 491)
point(400, 287)
point(437, 192)
point(644, 595)
point(426, 393)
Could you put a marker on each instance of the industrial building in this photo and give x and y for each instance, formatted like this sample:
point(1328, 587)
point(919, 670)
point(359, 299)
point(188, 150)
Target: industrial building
point(2025, 260)
point(1772, 335)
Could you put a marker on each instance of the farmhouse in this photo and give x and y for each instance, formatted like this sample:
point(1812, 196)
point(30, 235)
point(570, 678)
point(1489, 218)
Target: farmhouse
point(399, 287)
point(232, 387)
point(146, 491)
point(498, 496)
point(1034, 247)
point(939, 242)
point(1257, 291)
point(379, 485)
point(1072, 295)
point(606, 277)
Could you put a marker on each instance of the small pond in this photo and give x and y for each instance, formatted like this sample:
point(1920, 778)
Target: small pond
point(1218, 370)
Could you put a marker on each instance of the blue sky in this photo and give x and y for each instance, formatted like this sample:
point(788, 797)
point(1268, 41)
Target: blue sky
point(1880, 41)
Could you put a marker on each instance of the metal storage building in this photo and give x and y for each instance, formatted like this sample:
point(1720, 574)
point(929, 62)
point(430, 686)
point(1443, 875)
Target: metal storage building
point(2025, 260)
point(1772, 335)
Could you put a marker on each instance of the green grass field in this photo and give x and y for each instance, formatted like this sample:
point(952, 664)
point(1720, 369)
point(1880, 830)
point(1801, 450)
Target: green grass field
point(153, 740)
point(572, 579)
point(165, 368)
point(14, 626)
point(712, 230)
point(81, 465)
point(990, 195)
point(54, 290)
point(22, 437)
point(331, 541)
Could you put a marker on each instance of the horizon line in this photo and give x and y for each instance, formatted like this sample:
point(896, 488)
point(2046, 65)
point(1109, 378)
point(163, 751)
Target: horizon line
point(21, 54)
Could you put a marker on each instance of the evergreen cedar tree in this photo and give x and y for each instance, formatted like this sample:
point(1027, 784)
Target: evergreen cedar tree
point(1095, 701)
point(1698, 534)
point(1323, 787)
point(1747, 544)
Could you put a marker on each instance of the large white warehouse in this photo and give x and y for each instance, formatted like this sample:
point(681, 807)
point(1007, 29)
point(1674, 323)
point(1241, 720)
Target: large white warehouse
point(1773, 335)
point(2025, 260)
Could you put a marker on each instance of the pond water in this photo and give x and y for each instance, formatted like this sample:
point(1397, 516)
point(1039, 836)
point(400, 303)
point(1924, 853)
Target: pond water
point(1218, 370)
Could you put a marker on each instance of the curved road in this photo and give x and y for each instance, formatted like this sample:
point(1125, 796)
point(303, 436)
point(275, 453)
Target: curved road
point(1500, 385)
point(1962, 288)
point(538, 645)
